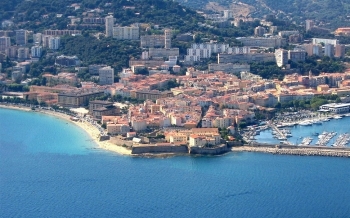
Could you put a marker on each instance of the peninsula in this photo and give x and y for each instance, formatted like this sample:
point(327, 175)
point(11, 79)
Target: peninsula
point(158, 78)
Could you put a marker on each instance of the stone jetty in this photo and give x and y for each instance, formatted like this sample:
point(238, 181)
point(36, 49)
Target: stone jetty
point(293, 150)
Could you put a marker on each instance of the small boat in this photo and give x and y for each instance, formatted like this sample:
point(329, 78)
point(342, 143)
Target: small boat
point(305, 123)
point(317, 122)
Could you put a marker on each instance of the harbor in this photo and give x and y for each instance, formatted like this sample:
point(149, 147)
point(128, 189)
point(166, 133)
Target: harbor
point(302, 129)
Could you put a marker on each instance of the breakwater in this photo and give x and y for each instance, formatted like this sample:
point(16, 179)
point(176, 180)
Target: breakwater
point(296, 150)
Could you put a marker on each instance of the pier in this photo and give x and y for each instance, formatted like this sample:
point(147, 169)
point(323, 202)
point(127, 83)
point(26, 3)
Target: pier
point(273, 127)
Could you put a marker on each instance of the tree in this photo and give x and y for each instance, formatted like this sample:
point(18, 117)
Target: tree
point(142, 71)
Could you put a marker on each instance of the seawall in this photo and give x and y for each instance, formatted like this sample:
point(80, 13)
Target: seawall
point(296, 150)
point(150, 149)
point(221, 149)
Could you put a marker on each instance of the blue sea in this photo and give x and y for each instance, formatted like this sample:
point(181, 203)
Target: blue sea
point(51, 168)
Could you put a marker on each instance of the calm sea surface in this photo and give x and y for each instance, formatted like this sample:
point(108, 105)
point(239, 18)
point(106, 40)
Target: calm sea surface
point(50, 168)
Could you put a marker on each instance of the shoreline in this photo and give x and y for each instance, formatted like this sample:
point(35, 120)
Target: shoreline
point(87, 127)
point(109, 146)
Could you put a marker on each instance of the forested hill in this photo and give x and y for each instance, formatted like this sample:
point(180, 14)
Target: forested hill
point(30, 13)
point(330, 13)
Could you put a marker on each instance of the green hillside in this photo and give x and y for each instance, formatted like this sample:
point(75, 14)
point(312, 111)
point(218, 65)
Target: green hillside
point(30, 14)
point(329, 13)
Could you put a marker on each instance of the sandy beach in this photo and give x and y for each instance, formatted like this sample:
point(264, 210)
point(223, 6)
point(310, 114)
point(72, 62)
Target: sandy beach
point(90, 129)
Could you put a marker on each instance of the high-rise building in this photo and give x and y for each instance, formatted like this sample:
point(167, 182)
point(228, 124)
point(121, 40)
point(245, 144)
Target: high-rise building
point(23, 53)
point(329, 50)
point(5, 42)
point(106, 75)
point(339, 51)
point(297, 55)
point(36, 51)
point(21, 37)
point(11, 51)
point(312, 49)
point(309, 25)
point(54, 43)
point(109, 25)
point(281, 56)
point(167, 38)
point(37, 38)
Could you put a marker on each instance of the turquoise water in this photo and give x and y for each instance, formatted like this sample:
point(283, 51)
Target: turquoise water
point(71, 178)
point(299, 132)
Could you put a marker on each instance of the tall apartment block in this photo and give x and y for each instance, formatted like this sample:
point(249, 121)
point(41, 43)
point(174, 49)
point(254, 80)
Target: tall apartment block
point(23, 53)
point(339, 51)
point(21, 37)
point(167, 38)
point(281, 56)
point(5, 42)
point(36, 51)
point(109, 25)
point(329, 50)
point(106, 75)
point(54, 43)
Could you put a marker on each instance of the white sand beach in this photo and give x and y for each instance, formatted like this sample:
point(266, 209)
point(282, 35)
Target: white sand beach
point(89, 128)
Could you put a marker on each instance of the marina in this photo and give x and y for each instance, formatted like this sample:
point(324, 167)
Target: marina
point(305, 129)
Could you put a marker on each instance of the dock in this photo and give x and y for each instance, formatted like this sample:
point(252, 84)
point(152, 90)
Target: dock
point(280, 133)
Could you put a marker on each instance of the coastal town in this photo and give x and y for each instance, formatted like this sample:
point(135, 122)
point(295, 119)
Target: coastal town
point(199, 99)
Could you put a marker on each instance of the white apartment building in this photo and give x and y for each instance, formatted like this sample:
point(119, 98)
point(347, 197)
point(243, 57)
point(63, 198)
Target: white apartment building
point(117, 128)
point(36, 51)
point(296, 55)
point(5, 42)
point(191, 58)
point(329, 50)
point(130, 33)
point(200, 52)
point(23, 53)
point(325, 41)
point(238, 50)
point(106, 75)
point(139, 125)
point(281, 56)
point(54, 43)
point(287, 33)
point(214, 47)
